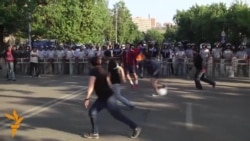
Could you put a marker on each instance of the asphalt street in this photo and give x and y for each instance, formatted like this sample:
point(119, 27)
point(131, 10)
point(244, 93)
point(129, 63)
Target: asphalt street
point(53, 110)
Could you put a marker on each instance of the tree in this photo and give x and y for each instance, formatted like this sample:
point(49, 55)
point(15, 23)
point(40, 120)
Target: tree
point(154, 35)
point(171, 33)
point(127, 30)
point(206, 22)
point(12, 18)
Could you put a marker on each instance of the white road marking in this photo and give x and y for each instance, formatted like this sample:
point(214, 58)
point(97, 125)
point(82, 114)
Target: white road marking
point(189, 118)
point(38, 109)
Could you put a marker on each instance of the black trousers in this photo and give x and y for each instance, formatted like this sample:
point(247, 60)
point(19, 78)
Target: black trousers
point(201, 76)
point(140, 70)
point(34, 67)
point(170, 61)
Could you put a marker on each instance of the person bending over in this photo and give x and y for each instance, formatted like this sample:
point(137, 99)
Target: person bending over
point(153, 68)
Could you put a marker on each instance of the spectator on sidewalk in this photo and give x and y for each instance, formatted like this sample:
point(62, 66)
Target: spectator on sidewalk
point(34, 62)
point(9, 56)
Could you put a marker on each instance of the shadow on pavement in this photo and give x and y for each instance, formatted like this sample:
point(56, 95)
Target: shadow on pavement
point(17, 91)
point(23, 138)
point(219, 114)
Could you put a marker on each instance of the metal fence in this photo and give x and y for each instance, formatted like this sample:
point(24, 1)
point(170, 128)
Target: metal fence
point(183, 68)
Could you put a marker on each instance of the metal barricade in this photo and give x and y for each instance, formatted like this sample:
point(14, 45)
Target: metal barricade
point(215, 68)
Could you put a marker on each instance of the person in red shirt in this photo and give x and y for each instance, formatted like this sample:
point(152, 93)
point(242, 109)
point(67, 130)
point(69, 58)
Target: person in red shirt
point(9, 58)
point(139, 52)
point(130, 64)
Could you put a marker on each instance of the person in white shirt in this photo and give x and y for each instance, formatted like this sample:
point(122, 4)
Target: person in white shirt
point(228, 53)
point(189, 52)
point(204, 52)
point(41, 59)
point(78, 56)
point(51, 59)
point(241, 53)
point(180, 57)
point(69, 55)
point(34, 62)
point(167, 55)
point(90, 52)
point(228, 56)
point(217, 54)
point(60, 54)
point(242, 59)
point(247, 49)
point(98, 51)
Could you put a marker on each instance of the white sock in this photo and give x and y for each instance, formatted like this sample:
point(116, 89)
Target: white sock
point(136, 82)
point(131, 82)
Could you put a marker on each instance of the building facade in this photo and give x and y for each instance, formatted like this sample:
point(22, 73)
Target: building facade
point(144, 24)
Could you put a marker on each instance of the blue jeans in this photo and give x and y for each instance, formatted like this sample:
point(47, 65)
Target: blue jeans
point(11, 73)
point(112, 107)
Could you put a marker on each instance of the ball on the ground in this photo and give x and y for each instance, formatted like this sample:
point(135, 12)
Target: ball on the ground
point(163, 91)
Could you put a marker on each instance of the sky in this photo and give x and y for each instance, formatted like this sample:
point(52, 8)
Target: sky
point(163, 10)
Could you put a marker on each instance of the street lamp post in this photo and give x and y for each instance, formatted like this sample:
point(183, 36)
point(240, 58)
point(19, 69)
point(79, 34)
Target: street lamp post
point(223, 35)
point(28, 6)
point(116, 24)
point(29, 28)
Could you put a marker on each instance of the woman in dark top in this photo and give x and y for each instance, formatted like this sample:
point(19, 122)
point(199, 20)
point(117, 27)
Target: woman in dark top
point(116, 75)
point(100, 83)
point(200, 71)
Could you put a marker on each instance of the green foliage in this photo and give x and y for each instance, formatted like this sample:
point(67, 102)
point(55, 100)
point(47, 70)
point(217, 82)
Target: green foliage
point(82, 21)
point(154, 35)
point(171, 33)
point(206, 22)
point(127, 30)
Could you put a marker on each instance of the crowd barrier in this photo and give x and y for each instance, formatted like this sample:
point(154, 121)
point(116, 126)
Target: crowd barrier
point(178, 67)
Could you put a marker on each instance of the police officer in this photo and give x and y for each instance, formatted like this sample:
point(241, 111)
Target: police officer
point(117, 51)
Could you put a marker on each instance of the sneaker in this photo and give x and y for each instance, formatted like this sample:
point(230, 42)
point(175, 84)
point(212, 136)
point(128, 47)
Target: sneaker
point(155, 95)
point(91, 136)
point(13, 79)
point(136, 132)
point(133, 86)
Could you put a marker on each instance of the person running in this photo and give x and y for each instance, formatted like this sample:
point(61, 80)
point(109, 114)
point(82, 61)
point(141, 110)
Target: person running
point(130, 64)
point(200, 73)
point(99, 82)
point(153, 68)
point(116, 75)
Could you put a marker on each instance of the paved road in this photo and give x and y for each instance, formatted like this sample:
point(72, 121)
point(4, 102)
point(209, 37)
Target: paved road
point(53, 110)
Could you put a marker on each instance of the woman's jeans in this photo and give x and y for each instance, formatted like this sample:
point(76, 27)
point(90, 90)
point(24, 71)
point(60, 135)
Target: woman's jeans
point(11, 73)
point(111, 105)
point(117, 92)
